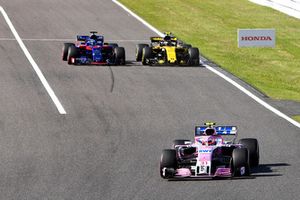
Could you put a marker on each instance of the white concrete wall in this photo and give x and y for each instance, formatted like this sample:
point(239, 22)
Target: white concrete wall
point(289, 7)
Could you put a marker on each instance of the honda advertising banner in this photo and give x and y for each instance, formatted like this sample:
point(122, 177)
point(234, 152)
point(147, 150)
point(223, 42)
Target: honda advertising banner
point(256, 37)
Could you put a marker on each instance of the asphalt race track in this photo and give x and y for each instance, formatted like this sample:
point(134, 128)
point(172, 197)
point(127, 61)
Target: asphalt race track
point(118, 119)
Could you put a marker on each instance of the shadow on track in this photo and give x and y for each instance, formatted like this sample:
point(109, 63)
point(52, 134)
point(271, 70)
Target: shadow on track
point(268, 168)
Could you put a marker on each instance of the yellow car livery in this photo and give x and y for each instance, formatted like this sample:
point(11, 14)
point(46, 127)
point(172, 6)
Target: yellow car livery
point(167, 50)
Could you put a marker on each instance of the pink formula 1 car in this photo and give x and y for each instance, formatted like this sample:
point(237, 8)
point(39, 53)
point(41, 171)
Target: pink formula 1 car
point(213, 153)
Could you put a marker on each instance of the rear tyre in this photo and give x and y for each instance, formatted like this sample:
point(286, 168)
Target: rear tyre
point(193, 56)
point(147, 54)
point(253, 149)
point(65, 50)
point(114, 45)
point(72, 53)
point(180, 142)
point(139, 51)
point(120, 55)
point(168, 160)
point(240, 164)
point(187, 46)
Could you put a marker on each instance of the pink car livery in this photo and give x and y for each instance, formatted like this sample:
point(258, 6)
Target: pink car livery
point(213, 153)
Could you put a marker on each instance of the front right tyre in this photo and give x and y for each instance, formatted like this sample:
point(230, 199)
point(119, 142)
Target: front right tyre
point(65, 49)
point(147, 54)
point(168, 160)
point(180, 142)
point(73, 53)
point(139, 51)
point(194, 59)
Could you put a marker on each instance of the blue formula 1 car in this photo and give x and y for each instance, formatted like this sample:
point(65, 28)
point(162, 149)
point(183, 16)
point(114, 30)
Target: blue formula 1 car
point(91, 50)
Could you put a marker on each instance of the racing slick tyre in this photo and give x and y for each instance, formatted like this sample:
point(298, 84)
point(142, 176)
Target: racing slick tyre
point(72, 53)
point(180, 142)
point(193, 56)
point(187, 46)
point(139, 51)
point(168, 160)
point(253, 148)
point(239, 162)
point(147, 54)
point(114, 45)
point(65, 50)
point(120, 55)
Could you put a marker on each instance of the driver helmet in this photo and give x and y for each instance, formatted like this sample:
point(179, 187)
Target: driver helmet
point(167, 38)
point(93, 37)
point(209, 131)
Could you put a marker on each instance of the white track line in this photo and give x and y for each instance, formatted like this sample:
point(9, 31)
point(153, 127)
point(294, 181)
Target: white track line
point(51, 93)
point(139, 18)
point(258, 100)
point(244, 90)
point(7, 39)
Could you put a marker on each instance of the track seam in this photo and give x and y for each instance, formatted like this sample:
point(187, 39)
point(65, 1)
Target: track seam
point(112, 79)
point(241, 88)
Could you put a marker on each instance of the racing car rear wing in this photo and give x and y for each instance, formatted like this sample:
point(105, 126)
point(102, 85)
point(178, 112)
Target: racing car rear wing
point(82, 37)
point(220, 130)
point(158, 39)
point(86, 37)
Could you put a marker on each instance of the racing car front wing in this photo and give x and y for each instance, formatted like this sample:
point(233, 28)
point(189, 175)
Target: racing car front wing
point(87, 61)
point(183, 173)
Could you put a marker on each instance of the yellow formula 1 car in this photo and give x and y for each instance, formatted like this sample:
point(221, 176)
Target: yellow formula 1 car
point(167, 50)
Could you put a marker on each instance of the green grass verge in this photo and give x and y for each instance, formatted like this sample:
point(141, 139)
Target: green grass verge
point(297, 118)
point(212, 26)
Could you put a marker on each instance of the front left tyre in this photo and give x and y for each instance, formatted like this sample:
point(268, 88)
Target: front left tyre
point(240, 162)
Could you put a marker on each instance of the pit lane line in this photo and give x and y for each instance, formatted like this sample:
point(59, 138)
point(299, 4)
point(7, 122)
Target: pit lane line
point(39, 73)
point(241, 88)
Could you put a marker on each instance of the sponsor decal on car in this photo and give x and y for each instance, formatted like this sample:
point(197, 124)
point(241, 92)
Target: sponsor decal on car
point(205, 151)
point(243, 170)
